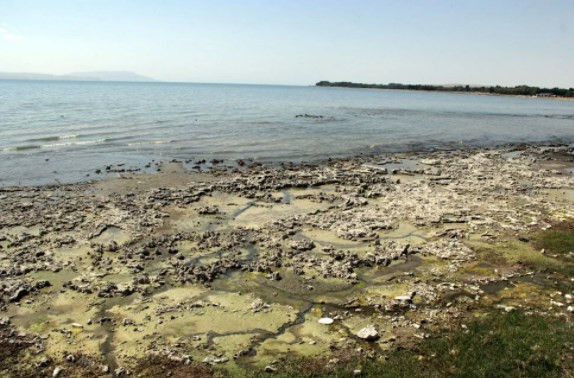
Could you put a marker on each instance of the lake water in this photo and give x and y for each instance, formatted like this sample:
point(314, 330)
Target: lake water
point(65, 130)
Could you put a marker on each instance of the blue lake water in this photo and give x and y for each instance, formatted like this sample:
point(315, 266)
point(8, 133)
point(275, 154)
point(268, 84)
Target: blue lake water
point(64, 130)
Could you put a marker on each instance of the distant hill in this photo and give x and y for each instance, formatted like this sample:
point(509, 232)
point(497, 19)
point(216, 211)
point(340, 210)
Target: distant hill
point(79, 76)
point(113, 76)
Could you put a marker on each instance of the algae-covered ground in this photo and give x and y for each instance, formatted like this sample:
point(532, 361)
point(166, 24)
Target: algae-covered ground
point(456, 263)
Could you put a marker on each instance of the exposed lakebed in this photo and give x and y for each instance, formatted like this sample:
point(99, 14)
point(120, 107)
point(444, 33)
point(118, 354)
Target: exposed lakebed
point(235, 267)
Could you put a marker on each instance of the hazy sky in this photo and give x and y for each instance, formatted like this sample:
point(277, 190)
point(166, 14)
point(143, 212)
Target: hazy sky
point(503, 42)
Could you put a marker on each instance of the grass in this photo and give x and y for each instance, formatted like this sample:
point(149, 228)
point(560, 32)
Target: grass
point(498, 345)
point(512, 251)
point(558, 241)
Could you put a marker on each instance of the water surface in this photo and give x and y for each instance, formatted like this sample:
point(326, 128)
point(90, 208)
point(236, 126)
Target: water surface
point(65, 130)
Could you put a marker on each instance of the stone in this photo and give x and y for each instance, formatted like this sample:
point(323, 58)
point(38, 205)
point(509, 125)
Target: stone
point(269, 369)
point(369, 333)
point(430, 161)
point(403, 298)
point(326, 321)
point(506, 308)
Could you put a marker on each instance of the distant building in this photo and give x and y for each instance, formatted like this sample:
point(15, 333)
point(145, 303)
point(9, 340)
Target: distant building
point(545, 95)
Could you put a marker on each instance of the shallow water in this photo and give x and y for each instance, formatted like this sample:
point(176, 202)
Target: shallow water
point(65, 130)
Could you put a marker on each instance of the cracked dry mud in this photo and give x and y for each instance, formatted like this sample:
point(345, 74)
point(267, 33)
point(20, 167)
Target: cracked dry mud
point(235, 267)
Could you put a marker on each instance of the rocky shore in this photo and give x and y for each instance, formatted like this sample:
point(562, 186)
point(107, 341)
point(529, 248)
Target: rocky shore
point(235, 267)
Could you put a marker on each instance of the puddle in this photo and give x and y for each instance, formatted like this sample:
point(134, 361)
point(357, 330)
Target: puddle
point(113, 233)
point(21, 230)
point(306, 339)
point(511, 154)
point(405, 232)
point(56, 279)
point(329, 238)
point(260, 213)
point(561, 195)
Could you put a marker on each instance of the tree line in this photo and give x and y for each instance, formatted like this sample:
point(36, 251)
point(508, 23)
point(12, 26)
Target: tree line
point(519, 90)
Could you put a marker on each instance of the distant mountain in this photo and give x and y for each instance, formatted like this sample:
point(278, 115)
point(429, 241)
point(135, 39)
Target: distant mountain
point(113, 76)
point(79, 76)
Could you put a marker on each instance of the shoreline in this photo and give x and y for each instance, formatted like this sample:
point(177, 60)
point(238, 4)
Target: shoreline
point(206, 166)
point(558, 98)
point(563, 98)
point(360, 256)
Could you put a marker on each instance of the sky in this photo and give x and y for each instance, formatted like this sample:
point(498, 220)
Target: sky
point(295, 42)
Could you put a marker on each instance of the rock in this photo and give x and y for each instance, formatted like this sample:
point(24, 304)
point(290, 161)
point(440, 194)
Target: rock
point(269, 369)
point(309, 116)
point(430, 161)
point(56, 372)
point(258, 305)
point(404, 298)
point(326, 321)
point(302, 245)
point(506, 308)
point(369, 333)
point(570, 309)
point(19, 294)
point(357, 373)
point(208, 210)
point(381, 169)
point(212, 360)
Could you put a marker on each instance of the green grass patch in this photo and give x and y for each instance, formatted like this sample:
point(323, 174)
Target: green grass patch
point(498, 345)
point(556, 241)
point(512, 251)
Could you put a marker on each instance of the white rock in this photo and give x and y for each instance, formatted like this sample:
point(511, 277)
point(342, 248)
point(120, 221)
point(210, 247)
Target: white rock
point(326, 321)
point(403, 298)
point(506, 308)
point(368, 333)
point(269, 369)
point(430, 161)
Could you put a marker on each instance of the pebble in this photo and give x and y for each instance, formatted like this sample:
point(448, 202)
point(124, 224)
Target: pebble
point(326, 321)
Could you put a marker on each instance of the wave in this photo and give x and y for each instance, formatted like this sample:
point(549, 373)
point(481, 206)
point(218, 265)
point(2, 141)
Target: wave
point(53, 138)
point(27, 147)
point(82, 143)
point(21, 148)
point(144, 143)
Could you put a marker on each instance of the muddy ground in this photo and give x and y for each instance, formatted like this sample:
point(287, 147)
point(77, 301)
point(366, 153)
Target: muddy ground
point(234, 267)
